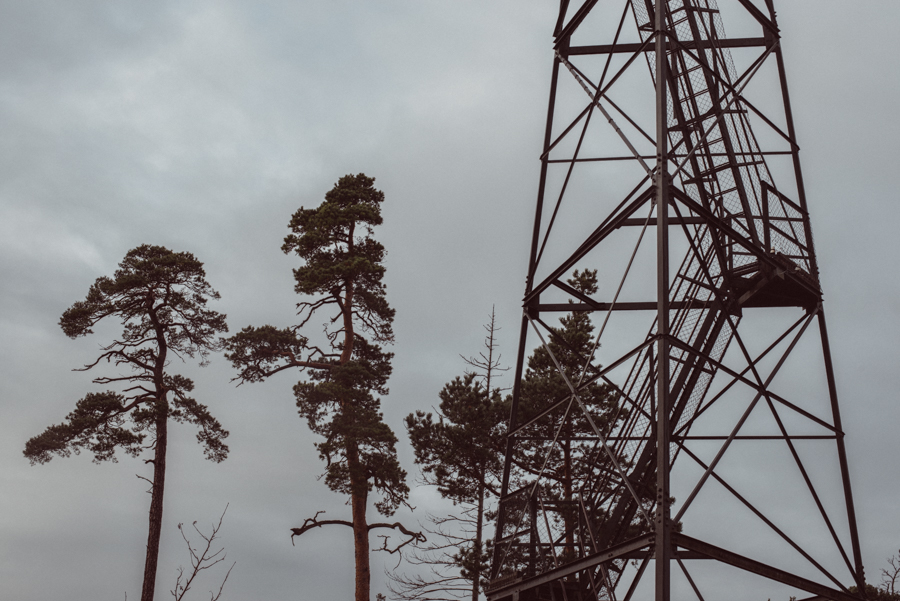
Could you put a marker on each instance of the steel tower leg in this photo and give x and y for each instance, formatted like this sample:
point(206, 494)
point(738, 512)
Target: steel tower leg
point(663, 548)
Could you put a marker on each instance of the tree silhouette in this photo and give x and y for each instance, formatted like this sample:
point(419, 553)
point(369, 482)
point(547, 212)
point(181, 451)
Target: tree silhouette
point(565, 467)
point(460, 453)
point(160, 298)
point(203, 558)
point(341, 271)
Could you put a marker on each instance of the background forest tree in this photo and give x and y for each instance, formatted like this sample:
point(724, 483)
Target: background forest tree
point(572, 344)
point(889, 588)
point(461, 454)
point(160, 298)
point(341, 272)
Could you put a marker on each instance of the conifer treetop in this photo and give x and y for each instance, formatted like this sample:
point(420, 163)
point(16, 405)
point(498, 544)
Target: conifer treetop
point(160, 298)
point(341, 258)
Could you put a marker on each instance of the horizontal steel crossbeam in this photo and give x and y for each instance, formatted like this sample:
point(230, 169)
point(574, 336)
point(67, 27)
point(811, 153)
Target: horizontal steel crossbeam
point(615, 552)
point(689, 44)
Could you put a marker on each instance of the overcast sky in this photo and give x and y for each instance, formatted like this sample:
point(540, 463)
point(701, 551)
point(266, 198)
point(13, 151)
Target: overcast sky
point(203, 125)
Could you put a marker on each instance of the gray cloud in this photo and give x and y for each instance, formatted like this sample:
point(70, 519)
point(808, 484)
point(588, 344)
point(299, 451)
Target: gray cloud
point(203, 126)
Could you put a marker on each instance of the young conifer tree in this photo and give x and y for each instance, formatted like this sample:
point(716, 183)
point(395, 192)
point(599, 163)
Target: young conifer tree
point(461, 454)
point(341, 273)
point(160, 298)
point(572, 345)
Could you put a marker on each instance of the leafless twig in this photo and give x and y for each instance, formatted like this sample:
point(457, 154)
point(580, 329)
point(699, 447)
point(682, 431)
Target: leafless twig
point(891, 575)
point(201, 560)
point(436, 575)
point(150, 491)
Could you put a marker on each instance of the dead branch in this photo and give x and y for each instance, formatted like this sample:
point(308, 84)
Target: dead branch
point(398, 526)
point(313, 522)
point(121, 358)
point(889, 577)
point(201, 560)
point(222, 587)
point(486, 364)
point(414, 537)
point(436, 569)
point(147, 479)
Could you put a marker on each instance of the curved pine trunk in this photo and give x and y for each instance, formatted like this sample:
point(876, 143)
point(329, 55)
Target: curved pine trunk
point(156, 505)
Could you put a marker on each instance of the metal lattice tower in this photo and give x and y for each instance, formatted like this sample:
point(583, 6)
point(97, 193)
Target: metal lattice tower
point(718, 457)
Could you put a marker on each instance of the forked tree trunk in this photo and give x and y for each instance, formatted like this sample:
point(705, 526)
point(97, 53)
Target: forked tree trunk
point(358, 498)
point(156, 504)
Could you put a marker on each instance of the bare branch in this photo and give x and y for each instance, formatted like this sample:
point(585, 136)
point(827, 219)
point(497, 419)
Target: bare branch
point(201, 560)
point(312, 307)
point(109, 380)
point(219, 594)
point(122, 358)
point(414, 537)
point(313, 522)
point(891, 575)
point(147, 479)
point(290, 364)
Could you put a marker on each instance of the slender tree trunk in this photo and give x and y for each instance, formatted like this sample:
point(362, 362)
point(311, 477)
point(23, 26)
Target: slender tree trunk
point(347, 311)
point(359, 485)
point(567, 494)
point(358, 498)
point(476, 574)
point(156, 503)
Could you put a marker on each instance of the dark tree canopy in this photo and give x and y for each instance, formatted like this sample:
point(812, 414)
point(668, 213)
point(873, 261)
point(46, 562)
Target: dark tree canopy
point(159, 296)
point(558, 451)
point(153, 287)
point(342, 271)
point(463, 448)
point(571, 343)
point(461, 454)
point(338, 404)
point(342, 261)
point(97, 424)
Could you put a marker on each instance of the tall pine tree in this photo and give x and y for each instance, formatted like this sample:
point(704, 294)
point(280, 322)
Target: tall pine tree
point(341, 273)
point(160, 298)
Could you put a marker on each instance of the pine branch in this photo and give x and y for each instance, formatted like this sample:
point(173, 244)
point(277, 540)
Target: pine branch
point(313, 522)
